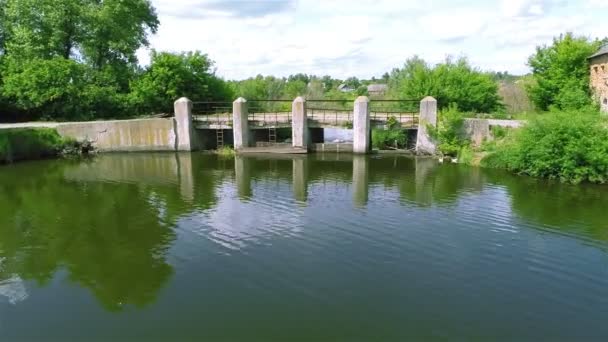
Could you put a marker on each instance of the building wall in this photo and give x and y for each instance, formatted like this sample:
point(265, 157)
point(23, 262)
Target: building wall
point(124, 135)
point(599, 80)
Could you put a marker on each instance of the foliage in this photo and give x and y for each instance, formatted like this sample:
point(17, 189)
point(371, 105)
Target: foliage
point(466, 155)
point(383, 139)
point(28, 143)
point(451, 83)
point(561, 73)
point(171, 76)
point(59, 88)
point(225, 151)
point(70, 59)
point(392, 123)
point(449, 132)
point(571, 146)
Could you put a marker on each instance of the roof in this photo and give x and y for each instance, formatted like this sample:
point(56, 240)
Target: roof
point(602, 51)
point(377, 87)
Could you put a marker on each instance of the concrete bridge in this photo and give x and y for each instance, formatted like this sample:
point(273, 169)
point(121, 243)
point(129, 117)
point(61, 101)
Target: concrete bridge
point(243, 126)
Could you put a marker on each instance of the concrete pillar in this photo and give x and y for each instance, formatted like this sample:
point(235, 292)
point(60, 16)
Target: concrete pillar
point(240, 120)
point(243, 177)
point(299, 123)
point(184, 127)
point(424, 180)
point(300, 179)
point(360, 181)
point(185, 175)
point(428, 117)
point(361, 126)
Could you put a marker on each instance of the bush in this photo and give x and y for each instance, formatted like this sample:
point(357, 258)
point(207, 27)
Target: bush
point(28, 143)
point(383, 139)
point(449, 132)
point(569, 146)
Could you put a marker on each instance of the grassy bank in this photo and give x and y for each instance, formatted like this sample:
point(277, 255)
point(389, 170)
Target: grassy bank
point(29, 143)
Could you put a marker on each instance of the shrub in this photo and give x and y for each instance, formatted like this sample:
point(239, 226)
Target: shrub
point(449, 132)
point(226, 151)
point(28, 143)
point(570, 146)
point(383, 139)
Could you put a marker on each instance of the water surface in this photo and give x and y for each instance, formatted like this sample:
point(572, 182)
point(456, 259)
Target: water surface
point(325, 247)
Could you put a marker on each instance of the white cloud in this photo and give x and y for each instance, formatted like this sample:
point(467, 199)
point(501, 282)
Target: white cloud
point(455, 25)
point(365, 38)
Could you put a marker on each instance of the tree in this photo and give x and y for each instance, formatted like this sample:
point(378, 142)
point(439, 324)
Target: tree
point(57, 88)
point(295, 88)
point(352, 82)
point(42, 28)
point(561, 73)
point(71, 59)
point(171, 76)
point(298, 77)
point(116, 29)
point(450, 82)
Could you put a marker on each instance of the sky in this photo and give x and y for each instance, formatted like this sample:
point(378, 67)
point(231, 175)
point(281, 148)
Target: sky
point(366, 38)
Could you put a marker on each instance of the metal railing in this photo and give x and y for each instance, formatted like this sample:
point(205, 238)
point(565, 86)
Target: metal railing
point(335, 112)
point(404, 112)
point(338, 117)
point(213, 112)
point(270, 112)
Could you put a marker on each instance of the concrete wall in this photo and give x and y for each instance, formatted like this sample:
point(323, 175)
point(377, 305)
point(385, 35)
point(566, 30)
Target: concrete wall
point(333, 147)
point(479, 130)
point(599, 80)
point(124, 135)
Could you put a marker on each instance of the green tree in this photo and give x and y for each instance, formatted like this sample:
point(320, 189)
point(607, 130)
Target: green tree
point(352, 82)
point(115, 30)
point(451, 83)
point(70, 59)
point(561, 73)
point(295, 88)
point(57, 88)
point(171, 76)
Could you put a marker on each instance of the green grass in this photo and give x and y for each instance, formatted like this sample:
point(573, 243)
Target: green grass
point(29, 143)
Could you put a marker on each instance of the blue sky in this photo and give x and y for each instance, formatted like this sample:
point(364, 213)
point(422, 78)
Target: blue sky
point(365, 38)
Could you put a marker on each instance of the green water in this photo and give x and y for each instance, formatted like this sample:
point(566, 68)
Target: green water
point(320, 248)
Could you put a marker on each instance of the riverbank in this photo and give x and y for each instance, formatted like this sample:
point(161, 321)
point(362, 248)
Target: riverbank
point(18, 144)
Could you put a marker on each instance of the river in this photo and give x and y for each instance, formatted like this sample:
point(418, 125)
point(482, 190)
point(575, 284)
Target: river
point(325, 247)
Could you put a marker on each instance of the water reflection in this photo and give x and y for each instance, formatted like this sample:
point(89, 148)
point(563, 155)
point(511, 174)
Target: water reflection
point(110, 222)
point(100, 232)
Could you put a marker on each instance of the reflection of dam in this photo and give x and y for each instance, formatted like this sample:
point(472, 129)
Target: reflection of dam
point(196, 178)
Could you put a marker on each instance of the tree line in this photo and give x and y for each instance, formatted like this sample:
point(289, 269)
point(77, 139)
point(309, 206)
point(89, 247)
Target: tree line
point(76, 60)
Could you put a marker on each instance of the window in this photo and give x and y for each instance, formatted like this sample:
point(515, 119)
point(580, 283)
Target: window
point(605, 101)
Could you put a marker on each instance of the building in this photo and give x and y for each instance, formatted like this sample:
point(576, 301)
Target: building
point(345, 88)
point(377, 89)
point(599, 76)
